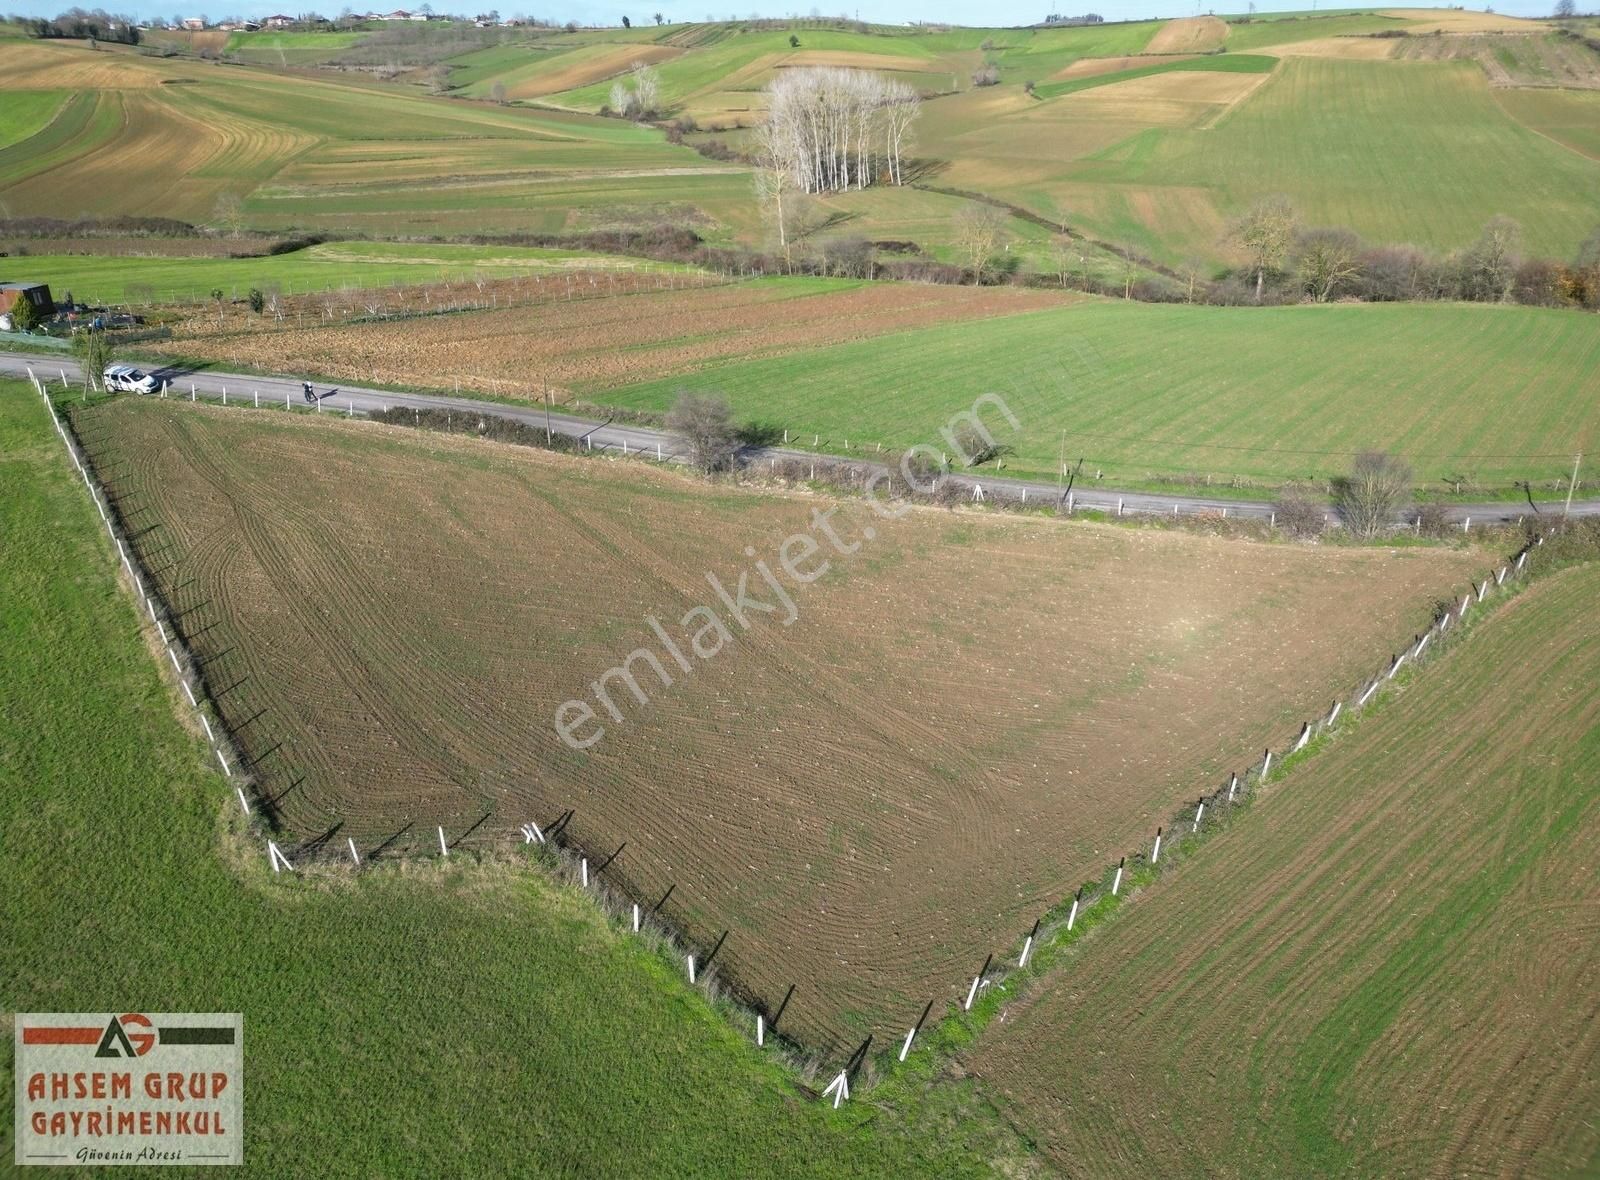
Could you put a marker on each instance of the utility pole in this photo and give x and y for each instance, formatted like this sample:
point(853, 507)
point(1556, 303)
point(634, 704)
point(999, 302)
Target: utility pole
point(1572, 483)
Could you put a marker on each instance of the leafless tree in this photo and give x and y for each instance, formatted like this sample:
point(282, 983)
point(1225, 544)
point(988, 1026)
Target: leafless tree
point(1326, 258)
point(646, 88)
point(229, 212)
point(829, 129)
point(1489, 268)
point(1264, 233)
point(978, 230)
point(706, 424)
point(1377, 487)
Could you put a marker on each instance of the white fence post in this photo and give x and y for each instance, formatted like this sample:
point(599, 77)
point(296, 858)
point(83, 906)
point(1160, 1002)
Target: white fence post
point(444, 849)
point(1233, 785)
point(1266, 766)
point(1116, 882)
point(583, 871)
point(354, 855)
point(690, 960)
point(279, 861)
point(1199, 813)
point(761, 1030)
point(1155, 855)
point(636, 917)
point(1072, 914)
point(839, 1088)
point(1333, 713)
point(1305, 736)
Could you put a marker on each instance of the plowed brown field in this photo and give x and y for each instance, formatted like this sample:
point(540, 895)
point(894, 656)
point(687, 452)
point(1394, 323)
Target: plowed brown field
point(583, 344)
point(969, 715)
point(1389, 965)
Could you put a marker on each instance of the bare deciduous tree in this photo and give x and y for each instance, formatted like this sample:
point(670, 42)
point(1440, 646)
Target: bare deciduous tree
point(830, 129)
point(1376, 489)
point(978, 232)
point(1326, 258)
point(706, 424)
point(1489, 268)
point(1264, 233)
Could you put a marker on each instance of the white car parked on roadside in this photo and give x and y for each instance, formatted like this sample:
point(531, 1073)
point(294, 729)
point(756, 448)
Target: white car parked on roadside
point(127, 379)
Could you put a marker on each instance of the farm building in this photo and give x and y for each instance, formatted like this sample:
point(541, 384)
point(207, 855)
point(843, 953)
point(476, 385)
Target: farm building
point(278, 21)
point(37, 294)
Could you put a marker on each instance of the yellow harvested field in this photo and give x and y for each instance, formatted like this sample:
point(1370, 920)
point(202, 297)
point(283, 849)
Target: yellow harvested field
point(1451, 20)
point(1344, 48)
point(1184, 98)
point(857, 61)
point(1191, 34)
point(1093, 67)
point(590, 69)
point(33, 65)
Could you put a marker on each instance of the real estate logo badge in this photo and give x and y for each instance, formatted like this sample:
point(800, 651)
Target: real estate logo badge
point(132, 1088)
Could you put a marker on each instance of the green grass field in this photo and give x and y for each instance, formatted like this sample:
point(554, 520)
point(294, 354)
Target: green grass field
point(274, 47)
point(1398, 151)
point(1385, 965)
point(1152, 391)
point(470, 1020)
point(27, 112)
point(1237, 63)
point(329, 266)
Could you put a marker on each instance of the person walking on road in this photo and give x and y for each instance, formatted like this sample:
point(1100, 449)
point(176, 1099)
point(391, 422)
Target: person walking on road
point(311, 394)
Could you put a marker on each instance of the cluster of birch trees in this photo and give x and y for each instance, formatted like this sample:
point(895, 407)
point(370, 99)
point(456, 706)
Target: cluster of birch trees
point(830, 129)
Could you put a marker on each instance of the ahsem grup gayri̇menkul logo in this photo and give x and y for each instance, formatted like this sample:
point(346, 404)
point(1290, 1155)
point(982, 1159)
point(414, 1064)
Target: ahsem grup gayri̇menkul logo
point(132, 1088)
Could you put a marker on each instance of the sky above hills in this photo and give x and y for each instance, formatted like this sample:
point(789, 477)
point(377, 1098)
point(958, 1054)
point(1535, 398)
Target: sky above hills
point(995, 13)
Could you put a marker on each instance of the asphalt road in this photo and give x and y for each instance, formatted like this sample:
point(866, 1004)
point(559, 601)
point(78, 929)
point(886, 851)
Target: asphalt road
point(355, 400)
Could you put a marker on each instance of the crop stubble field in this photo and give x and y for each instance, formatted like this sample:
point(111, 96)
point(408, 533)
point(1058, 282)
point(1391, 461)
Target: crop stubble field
point(970, 715)
point(1387, 965)
point(633, 331)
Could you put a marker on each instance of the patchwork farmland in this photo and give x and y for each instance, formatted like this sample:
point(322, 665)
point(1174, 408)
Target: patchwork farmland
point(594, 763)
point(902, 823)
point(1387, 964)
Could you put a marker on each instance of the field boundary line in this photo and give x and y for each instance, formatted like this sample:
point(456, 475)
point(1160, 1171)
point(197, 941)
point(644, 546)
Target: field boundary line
point(1062, 925)
point(161, 618)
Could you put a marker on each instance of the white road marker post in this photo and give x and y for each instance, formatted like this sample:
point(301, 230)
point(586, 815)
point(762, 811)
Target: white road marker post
point(689, 959)
point(1500, 578)
point(583, 871)
point(243, 802)
point(1483, 589)
point(1116, 882)
point(1155, 855)
point(761, 1030)
point(1333, 714)
point(444, 849)
point(1199, 814)
point(636, 917)
point(1072, 914)
point(1233, 785)
point(354, 855)
point(1266, 766)
point(1305, 736)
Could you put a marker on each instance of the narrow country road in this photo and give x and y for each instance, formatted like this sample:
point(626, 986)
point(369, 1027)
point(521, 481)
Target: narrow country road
point(355, 400)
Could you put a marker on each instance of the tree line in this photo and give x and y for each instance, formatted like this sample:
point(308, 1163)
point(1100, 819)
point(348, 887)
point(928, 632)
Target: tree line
point(1291, 262)
point(81, 24)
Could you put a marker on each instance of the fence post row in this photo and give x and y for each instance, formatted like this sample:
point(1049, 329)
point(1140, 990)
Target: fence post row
point(172, 644)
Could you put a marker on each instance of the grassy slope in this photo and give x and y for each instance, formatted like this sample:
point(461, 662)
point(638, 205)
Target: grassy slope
point(1398, 151)
point(1387, 966)
point(337, 264)
point(1238, 63)
point(472, 1021)
point(1150, 389)
point(26, 112)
